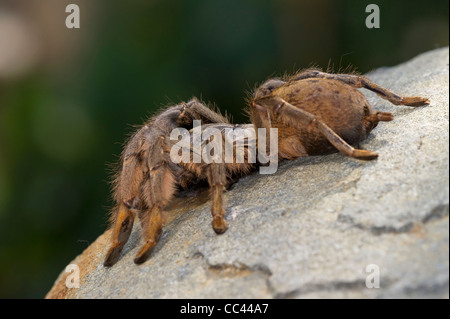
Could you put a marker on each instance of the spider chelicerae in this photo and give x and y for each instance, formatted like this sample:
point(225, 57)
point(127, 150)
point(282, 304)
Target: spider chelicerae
point(314, 112)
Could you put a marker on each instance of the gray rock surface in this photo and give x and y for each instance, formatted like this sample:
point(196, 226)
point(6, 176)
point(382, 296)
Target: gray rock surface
point(311, 229)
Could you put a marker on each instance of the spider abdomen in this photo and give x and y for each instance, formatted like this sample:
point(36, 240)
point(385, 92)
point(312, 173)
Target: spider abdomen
point(340, 106)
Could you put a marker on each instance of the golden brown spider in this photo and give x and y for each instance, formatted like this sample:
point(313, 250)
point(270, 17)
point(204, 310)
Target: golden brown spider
point(314, 112)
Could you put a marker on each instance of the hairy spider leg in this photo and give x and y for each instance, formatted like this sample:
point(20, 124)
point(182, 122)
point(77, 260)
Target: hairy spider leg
point(156, 192)
point(127, 191)
point(217, 179)
point(358, 81)
point(196, 110)
point(371, 121)
point(121, 233)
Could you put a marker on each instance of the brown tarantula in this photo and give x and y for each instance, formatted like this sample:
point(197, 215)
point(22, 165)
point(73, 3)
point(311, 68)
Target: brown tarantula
point(315, 113)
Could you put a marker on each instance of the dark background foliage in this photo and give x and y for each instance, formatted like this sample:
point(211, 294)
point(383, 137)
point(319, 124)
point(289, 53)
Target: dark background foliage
point(69, 97)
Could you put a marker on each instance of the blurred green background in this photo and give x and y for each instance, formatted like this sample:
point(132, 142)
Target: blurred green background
point(68, 97)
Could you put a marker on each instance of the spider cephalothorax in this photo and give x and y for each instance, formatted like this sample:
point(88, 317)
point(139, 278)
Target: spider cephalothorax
point(314, 113)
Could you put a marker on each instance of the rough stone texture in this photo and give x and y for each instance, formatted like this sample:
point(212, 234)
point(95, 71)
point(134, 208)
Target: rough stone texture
point(311, 229)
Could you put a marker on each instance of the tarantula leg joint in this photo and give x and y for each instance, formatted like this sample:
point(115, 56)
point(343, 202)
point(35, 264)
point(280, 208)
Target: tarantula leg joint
point(129, 203)
point(280, 106)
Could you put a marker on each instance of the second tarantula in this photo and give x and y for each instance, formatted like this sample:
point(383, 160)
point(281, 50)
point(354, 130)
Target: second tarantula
point(315, 113)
